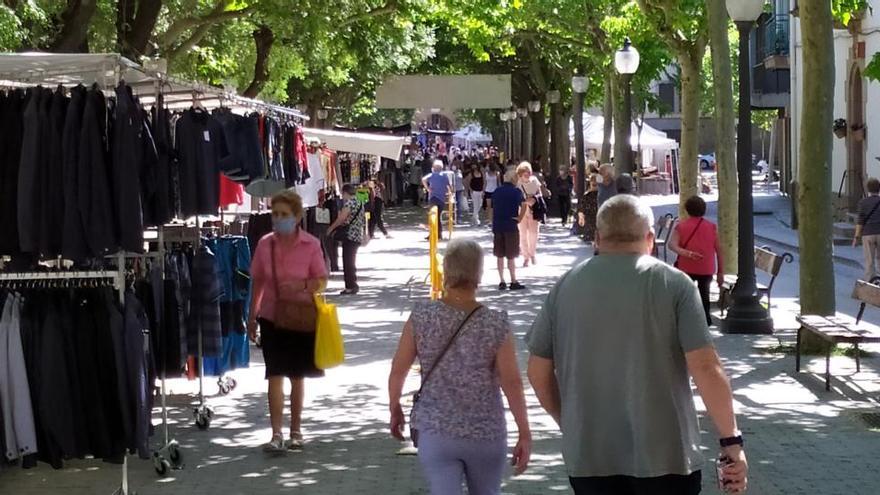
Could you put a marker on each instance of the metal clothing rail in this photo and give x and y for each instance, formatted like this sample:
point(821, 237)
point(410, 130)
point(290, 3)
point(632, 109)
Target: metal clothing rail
point(118, 277)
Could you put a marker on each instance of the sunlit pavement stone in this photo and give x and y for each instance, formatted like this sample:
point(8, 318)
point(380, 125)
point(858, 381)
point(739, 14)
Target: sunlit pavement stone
point(800, 439)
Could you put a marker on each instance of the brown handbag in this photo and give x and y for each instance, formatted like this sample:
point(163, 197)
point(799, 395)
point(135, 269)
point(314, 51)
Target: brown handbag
point(291, 315)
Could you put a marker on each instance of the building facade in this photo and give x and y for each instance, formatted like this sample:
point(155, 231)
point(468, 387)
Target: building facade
point(856, 101)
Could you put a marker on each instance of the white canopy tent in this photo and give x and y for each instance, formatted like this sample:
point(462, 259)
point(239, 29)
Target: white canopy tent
point(649, 139)
point(360, 142)
point(471, 135)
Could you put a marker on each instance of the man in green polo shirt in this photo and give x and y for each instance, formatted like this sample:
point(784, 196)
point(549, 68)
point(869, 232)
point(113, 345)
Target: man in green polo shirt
point(612, 353)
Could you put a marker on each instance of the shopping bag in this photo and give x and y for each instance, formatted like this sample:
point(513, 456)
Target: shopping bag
point(329, 347)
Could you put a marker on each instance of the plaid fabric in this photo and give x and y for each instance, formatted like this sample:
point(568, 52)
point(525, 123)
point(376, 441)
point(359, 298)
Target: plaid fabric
point(205, 309)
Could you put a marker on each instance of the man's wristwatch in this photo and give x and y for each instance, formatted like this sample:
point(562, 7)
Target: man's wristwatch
point(731, 441)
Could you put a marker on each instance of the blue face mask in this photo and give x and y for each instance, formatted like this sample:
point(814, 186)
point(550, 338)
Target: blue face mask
point(284, 226)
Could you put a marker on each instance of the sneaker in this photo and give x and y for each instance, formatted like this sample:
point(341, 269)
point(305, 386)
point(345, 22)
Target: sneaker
point(276, 446)
point(349, 292)
point(502, 286)
point(534, 261)
point(517, 286)
point(295, 442)
point(526, 264)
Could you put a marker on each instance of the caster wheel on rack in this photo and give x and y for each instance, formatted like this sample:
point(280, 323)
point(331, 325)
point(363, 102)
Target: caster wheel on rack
point(161, 465)
point(224, 389)
point(174, 455)
point(232, 383)
point(203, 422)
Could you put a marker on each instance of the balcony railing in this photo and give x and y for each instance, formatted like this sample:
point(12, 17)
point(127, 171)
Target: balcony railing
point(775, 36)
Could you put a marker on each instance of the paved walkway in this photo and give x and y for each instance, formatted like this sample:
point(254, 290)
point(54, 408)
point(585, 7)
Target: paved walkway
point(800, 438)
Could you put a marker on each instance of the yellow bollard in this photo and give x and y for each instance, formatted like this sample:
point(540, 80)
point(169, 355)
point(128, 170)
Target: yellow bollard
point(435, 264)
point(451, 215)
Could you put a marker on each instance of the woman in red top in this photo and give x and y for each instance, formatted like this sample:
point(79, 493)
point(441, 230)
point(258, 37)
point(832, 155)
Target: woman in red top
point(695, 240)
point(298, 266)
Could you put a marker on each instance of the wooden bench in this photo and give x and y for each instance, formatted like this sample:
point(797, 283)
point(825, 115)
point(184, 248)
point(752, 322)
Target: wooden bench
point(765, 261)
point(841, 329)
point(662, 231)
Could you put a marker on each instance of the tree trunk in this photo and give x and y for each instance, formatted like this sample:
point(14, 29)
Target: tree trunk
point(622, 144)
point(264, 39)
point(814, 170)
point(75, 22)
point(542, 144)
point(562, 148)
point(689, 166)
point(725, 135)
point(608, 115)
point(135, 42)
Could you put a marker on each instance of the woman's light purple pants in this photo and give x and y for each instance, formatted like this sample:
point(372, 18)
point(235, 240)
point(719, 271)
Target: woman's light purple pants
point(447, 462)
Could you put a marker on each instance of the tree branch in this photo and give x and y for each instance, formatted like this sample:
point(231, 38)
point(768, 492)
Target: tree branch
point(389, 8)
point(264, 38)
point(75, 19)
point(216, 15)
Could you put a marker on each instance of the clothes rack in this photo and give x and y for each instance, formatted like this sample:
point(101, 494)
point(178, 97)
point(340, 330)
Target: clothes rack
point(203, 414)
point(116, 277)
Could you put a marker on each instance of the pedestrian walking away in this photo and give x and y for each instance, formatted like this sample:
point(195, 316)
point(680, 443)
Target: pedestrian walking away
point(458, 418)
point(477, 185)
point(612, 352)
point(530, 226)
point(439, 191)
point(563, 186)
point(510, 210)
point(607, 185)
point(493, 177)
point(348, 229)
point(868, 228)
point(696, 243)
point(287, 270)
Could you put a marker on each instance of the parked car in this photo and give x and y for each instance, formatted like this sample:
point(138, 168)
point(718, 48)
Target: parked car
point(707, 162)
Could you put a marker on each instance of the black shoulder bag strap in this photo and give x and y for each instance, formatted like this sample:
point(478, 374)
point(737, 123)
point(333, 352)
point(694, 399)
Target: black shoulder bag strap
point(443, 353)
point(871, 213)
point(688, 241)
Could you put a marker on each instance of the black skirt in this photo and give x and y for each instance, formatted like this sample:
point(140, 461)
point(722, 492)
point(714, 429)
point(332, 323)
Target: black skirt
point(287, 353)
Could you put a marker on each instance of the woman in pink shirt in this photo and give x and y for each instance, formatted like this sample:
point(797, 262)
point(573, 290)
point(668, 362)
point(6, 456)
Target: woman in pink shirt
point(296, 259)
point(695, 240)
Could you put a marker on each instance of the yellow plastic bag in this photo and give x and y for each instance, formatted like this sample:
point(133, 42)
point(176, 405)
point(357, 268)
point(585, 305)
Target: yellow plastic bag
point(329, 346)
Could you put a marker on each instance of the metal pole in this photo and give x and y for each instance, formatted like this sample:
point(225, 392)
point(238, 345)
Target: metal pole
point(746, 315)
point(626, 161)
point(578, 115)
point(554, 137)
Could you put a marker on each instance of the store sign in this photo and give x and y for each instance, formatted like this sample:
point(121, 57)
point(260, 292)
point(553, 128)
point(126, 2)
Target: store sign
point(446, 92)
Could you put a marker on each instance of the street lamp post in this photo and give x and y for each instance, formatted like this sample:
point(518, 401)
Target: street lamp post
point(503, 117)
point(626, 61)
point(322, 114)
point(553, 97)
point(524, 135)
point(579, 85)
point(746, 315)
point(534, 107)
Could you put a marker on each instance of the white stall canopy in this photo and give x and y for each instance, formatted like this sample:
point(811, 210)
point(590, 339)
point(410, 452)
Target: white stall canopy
point(650, 138)
point(360, 142)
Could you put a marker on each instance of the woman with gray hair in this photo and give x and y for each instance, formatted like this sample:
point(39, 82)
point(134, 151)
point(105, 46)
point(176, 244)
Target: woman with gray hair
point(459, 416)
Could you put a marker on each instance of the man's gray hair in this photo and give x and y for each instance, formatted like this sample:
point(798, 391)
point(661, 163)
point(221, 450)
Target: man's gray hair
point(463, 264)
point(624, 219)
point(438, 165)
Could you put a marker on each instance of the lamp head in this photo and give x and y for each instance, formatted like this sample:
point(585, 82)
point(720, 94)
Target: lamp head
point(627, 59)
point(745, 10)
point(579, 84)
point(322, 114)
point(534, 106)
point(553, 96)
point(522, 112)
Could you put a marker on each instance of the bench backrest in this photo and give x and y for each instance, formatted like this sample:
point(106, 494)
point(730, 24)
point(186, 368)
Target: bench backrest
point(767, 261)
point(668, 222)
point(866, 293)
point(770, 263)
